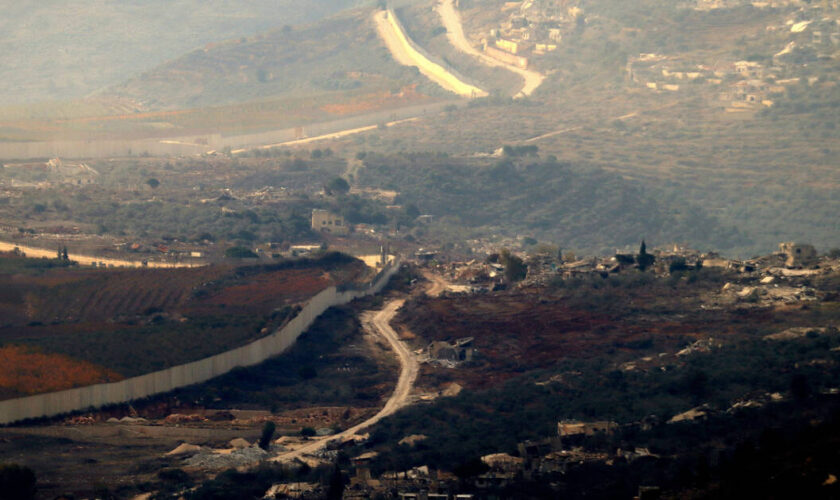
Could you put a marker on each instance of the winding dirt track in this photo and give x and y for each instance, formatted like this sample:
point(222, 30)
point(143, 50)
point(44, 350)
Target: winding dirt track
point(455, 33)
point(377, 323)
point(438, 284)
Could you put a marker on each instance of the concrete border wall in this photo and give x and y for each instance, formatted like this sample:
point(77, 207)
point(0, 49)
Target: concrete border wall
point(169, 146)
point(392, 15)
point(438, 72)
point(81, 398)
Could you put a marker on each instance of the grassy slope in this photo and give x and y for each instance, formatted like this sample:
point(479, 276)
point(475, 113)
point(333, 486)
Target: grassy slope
point(746, 168)
point(594, 210)
point(61, 49)
point(306, 61)
point(280, 78)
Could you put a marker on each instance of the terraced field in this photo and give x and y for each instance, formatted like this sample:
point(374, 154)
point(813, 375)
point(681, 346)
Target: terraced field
point(128, 322)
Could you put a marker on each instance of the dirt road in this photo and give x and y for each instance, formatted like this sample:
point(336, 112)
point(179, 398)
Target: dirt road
point(623, 117)
point(88, 260)
point(333, 135)
point(377, 323)
point(438, 284)
point(404, 53)
point(455, 33)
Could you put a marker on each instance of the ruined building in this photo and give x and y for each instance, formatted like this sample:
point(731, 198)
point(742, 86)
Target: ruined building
point(798, 254)
point(324, 220)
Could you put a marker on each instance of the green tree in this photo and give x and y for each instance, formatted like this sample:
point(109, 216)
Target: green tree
point(267, 434)
point(153, 183)
point(338, 185)
point(412, 211)
point(677, 265)
point(515, 268)
point(335, 488)
point(644, 260)
point(800, 388)
point(240, 253)
point(16, 482)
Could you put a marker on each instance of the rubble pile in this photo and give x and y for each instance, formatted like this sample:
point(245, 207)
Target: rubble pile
point(209, 459)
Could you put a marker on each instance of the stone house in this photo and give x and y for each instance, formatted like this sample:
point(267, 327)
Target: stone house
point(326, 221)
point(798, 254)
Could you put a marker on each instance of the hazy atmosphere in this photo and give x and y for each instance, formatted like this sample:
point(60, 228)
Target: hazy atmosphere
point(420, 249)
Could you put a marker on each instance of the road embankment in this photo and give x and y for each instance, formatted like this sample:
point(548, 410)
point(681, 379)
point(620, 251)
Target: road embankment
point(455, 33)
point(406, 53)
point(89, 260)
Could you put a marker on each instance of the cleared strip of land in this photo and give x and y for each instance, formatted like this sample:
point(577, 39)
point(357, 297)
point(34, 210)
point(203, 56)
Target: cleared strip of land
point(333, 135)
point(404, 53)
point(455, 33)
point(89, 259)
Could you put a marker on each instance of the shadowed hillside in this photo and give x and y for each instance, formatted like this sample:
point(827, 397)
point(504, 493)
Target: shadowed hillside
point(60, 49)
point(342, 53)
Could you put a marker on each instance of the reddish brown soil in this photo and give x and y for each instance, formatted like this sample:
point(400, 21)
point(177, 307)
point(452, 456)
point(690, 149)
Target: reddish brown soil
point(28, 371)
point(524, 330)
point(82, 318)
point(375, 101)
point(91, 295)
point(292, 285)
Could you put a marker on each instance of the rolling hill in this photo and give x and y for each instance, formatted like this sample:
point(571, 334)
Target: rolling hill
point(338, 54)
point(61, 49)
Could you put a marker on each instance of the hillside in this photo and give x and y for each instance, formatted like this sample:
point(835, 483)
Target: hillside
point(61, 49)
point(727, 108)
point(130, 322)
point(592, 210)
point(339, 54)
point(631, 353)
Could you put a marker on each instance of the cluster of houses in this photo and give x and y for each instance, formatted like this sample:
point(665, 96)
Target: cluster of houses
point(533, 27)
point(728, 4)
point(811, 34)
point(534, 460)
point(791, 261)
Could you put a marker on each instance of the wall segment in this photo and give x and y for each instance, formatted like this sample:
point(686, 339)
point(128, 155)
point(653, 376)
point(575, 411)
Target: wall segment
point(81, 398)
point(407, 53)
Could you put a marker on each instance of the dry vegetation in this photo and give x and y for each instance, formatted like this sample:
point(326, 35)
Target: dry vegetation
point(27, 371)
point(132, 322)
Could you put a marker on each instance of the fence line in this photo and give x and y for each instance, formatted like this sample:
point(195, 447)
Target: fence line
point(81, 398)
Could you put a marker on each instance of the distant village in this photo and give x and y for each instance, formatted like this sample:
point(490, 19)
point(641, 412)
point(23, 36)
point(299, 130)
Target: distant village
point(771, 278)
point(774, 279)
point(532, 28)
point(810, 35)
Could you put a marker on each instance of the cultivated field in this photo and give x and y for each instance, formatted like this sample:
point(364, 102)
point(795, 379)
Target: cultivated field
point(119, 323)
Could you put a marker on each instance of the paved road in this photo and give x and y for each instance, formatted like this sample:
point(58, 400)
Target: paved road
point(455, 32)
point(377, 323)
